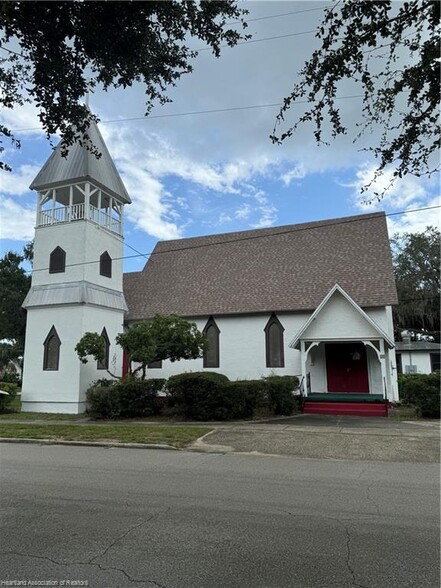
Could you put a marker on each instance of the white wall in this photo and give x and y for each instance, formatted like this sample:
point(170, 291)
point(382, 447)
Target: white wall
point(420, 359)
point(83, 242)
point(64, 389)
point(242, 348)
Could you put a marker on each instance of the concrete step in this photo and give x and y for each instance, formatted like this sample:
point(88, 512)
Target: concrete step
point(349, 408)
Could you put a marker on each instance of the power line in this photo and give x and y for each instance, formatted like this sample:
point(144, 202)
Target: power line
point(277, 15)
point(297, 229)
point(196, 112)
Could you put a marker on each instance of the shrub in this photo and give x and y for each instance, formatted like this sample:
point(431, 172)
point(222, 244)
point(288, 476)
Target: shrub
point(198, 395)
point(5, 401)
point(11, 378)
point(103, 402)
point(108, 399)
point(421, 391)
point(138, 398)
point(281, 399)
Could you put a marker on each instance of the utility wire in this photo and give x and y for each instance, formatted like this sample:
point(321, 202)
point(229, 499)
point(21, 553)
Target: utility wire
point(247, 20)
point(298, 229)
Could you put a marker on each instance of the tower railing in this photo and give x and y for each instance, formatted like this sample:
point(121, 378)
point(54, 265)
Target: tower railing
point(75, 212)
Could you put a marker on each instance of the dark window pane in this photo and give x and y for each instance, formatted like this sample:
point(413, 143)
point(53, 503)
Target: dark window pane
point(435, 361)
point(211, 356)
point(106, 265)
point(155, 364)
point(104, 365)
point(57, 261)
point(51, 351)
point(274, 343)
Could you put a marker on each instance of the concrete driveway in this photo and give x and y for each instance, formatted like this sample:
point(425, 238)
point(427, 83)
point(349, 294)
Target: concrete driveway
point(329, 437)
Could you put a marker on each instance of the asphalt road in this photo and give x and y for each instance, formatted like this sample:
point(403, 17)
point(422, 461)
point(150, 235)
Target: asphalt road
point(124, 517)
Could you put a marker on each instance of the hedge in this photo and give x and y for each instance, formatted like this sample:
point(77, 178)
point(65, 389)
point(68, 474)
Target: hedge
point(210, 396)
point(124, 399)
point(12, 389)
point(421, 391)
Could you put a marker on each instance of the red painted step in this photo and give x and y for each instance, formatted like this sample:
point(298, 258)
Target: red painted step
point(350, 408)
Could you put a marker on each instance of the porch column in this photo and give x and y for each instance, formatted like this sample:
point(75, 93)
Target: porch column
point(303, 366)
point(382, 357)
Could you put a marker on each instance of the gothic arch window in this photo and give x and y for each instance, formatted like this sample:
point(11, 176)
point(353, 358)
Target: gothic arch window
point(274, 342)
point(51, 356)
point(104, 365)
point(211, 356)
point(106, 265)
point(57, 261)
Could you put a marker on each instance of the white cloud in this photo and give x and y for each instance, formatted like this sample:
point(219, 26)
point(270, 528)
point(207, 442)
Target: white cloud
point(268, 217)
point(23, 119)
point(297, 173)
point(17, 182)
point(17, 222)
point(243, 212)
point(416, 222)
point(148, 210)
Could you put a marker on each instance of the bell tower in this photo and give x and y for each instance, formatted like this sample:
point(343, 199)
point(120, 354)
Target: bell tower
point(76, 278)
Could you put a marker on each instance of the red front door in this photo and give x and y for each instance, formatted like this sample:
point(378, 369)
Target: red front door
point(346, 368)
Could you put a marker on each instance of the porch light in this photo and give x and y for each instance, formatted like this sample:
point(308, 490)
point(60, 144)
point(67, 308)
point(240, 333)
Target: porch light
point(356, 356)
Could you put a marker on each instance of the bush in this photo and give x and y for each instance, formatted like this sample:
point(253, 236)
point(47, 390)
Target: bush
point(198, 395)
point(103, 402)
point(5, 401)
point(11, 378)
point(211, 396)
point(138, 398)
point(123, 399)
point(421, 391)
point(280, 390)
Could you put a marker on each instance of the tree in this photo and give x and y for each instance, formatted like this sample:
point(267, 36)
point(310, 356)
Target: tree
point(164, 337)
point(391, 50)
point(416, 258)
point(67, 49)
point(14, 285)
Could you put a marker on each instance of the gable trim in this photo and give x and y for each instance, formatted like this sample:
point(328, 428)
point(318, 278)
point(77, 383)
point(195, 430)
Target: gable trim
point(338, 288)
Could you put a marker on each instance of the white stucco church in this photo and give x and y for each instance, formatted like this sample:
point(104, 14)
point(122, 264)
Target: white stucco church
point(312, 300)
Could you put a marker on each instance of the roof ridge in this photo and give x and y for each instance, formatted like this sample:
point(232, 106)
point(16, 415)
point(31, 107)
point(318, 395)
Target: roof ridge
point(282, 228)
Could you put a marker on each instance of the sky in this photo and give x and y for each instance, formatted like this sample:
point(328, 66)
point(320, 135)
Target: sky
point(192, 174)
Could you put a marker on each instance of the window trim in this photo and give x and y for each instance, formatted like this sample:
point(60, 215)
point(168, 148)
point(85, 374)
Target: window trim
point(273, 320)
point(52, 334)
point(105, 364)
point(105, 259)
point(212, 323)
point(58, 269)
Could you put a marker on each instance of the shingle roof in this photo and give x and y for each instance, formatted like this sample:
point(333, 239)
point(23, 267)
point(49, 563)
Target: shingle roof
point(417, 346)
point(288, 268)
point(79, 165)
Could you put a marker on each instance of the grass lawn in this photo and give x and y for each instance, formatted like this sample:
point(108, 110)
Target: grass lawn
point(41, 416)
point(176, 436)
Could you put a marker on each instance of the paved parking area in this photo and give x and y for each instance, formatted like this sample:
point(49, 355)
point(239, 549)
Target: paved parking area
point(330, 437)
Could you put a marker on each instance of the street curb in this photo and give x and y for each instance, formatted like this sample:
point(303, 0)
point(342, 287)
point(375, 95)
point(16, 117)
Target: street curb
point(88, 443)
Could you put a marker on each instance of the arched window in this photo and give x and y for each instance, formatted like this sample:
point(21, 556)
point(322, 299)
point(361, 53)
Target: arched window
point(106, 265)
point(274, 343)
point(104, 365)
point(211, 356)
point(51, 357)
point(57, 261)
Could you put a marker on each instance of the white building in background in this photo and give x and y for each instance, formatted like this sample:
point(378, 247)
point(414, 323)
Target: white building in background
point(76, 278)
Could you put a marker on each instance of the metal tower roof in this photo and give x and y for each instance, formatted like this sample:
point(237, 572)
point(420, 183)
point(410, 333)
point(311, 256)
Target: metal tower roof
point(80, 165)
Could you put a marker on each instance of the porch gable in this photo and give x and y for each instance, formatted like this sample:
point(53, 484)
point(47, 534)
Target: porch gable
point(338, 317)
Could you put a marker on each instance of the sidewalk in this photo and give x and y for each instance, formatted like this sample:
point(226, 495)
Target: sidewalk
point(308, 436)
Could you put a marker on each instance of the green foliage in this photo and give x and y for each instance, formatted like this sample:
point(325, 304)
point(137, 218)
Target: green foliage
point(5, 401)
point(124, 399)
point(416, 258)
point(102, 402)
point(62, 50)
point(421, 391)
point(210, 396)
point(139, 398)
point(90, 344)
point(14, 285)
point(164, 337)
point(391, 52)
point(279, 390)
